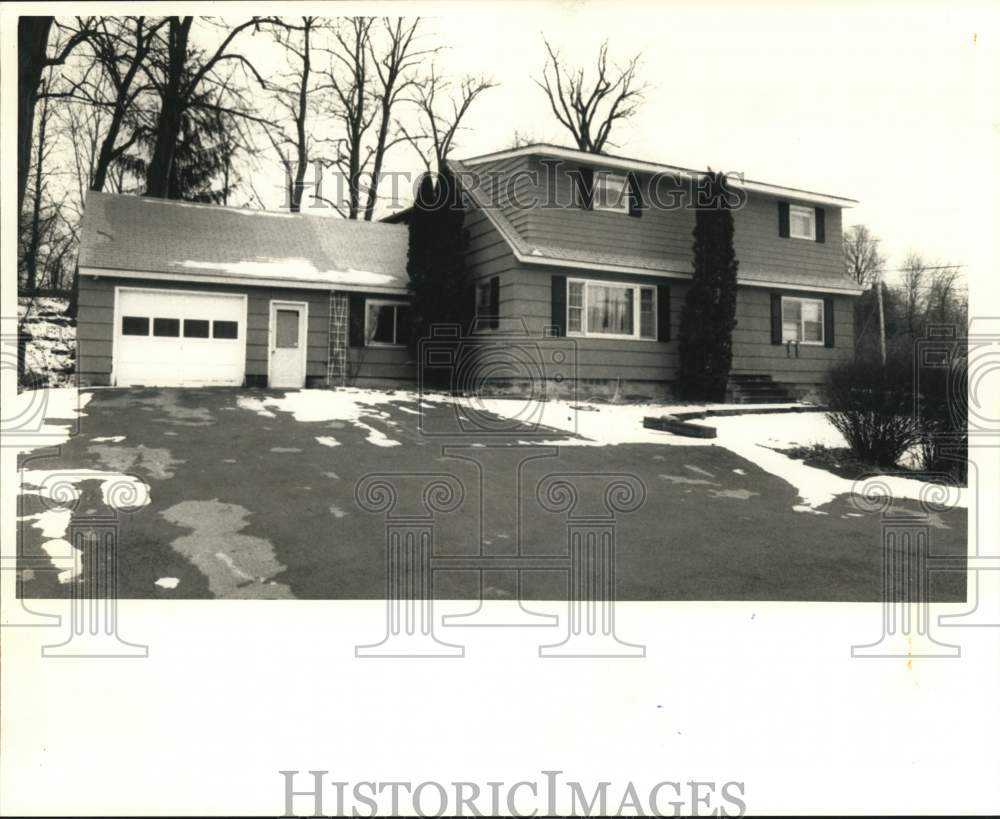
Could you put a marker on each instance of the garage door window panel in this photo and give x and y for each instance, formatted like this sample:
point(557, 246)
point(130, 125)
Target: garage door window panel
point(225, 329)
point(195, 328)
point(167, 327)
point(135, 326)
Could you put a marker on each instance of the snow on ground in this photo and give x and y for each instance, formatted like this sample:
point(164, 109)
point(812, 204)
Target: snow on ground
point(25, 424)
point(600, 424)
point(51, 351)
point(753, 437)
point(118, 491)
point(349, 405)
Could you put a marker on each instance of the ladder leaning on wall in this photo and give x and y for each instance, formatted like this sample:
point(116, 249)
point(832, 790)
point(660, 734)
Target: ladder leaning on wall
point(336, 367)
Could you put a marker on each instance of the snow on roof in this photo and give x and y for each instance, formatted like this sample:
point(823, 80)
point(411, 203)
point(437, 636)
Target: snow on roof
point(132, 233)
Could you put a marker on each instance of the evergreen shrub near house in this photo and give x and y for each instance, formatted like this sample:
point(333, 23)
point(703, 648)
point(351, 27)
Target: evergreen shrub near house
point(709, 313)
point(436, 262)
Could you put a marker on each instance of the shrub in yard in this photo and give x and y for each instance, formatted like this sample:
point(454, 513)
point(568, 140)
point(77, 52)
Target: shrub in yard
point(941, 412)
point(871, 405)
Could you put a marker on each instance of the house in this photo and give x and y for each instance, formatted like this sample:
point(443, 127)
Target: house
point(594, 250)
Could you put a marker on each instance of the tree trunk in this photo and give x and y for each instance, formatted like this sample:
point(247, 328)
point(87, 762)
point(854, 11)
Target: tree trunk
point(31, 260)
point(107, 152)
point(32, 41)
point(302, 157)
point(172, 101)
point(383, 135)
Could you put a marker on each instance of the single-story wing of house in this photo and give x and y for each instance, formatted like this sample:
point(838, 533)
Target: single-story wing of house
point(183, 294)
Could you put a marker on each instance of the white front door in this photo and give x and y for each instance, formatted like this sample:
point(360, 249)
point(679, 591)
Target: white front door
point(287, 367)
point(178, 338)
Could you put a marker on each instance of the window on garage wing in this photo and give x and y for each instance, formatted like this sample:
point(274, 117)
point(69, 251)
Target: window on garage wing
point(387, 323)
point(802, 320)
point(225, 329)
point(195, 328)
point(169, 327)
point(135, 326)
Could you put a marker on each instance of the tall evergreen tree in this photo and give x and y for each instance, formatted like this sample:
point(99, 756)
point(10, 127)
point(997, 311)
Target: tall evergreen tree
point(201, 169)
point(709, 313)
point(436, 257)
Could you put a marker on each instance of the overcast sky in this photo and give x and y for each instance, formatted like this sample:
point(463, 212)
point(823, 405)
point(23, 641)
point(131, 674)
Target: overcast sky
point(892, 104)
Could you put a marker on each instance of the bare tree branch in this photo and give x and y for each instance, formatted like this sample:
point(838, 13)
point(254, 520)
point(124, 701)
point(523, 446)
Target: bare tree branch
point(578, 108)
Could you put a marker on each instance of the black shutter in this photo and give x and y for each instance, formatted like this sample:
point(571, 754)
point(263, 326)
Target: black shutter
point(827, 321)
point(662, 313)
point(474, 323)
point(776, 318)
point(356, 320)
point(635, 204)
point(559, 305)
point(783, 230)
point(495, 302)
point(585, 187)
point(820, 225)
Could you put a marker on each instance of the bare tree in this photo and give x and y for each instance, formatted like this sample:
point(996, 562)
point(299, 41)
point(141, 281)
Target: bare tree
point(293, 96)
point(394, 69)
point(372, 63)
point(121, 47)
point(348, 80)
point(863, 259)
point(914, 270)
point(588, 111)
point(180, 76)
point(441, 113)
point(32, 59)
point(34, 226)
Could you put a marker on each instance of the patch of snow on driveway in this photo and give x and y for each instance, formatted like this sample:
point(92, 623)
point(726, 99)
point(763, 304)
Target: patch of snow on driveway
point(60, 486)
point(254, 405)
point(25, 424)
point(53, 524)
point(349, 405)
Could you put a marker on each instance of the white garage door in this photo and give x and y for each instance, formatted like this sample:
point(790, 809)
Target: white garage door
point(167, 338)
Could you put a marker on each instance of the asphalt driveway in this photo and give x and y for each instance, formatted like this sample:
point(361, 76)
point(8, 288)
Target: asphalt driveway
point(250, 501)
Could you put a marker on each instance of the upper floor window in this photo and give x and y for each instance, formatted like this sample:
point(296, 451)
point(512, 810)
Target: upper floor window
point(802, 320)
point(610, 309)
point(802, 222)
point(611, 192)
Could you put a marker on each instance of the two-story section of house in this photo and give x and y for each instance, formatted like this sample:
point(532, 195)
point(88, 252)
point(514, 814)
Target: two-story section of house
point(598, 249)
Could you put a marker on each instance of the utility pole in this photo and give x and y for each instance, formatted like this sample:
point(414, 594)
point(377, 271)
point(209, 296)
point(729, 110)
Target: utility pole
point(881, 317)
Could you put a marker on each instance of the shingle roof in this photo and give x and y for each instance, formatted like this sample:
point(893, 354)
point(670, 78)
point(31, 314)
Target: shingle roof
point(131, 233)
point(622, 259)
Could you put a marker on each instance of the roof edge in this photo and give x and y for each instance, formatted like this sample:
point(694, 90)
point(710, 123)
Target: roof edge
point(627, 163)
point(232, 279)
